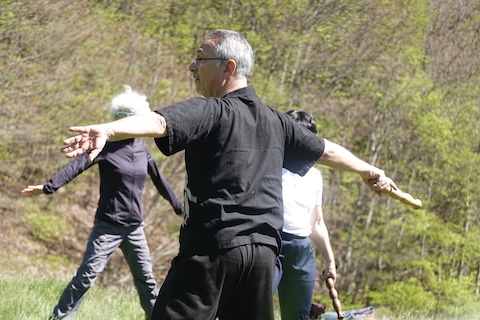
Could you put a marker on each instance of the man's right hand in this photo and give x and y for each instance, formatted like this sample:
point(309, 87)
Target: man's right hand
point(91, 139)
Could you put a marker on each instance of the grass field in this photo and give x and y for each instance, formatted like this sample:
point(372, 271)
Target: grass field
point(33, 298)
point(25, 298)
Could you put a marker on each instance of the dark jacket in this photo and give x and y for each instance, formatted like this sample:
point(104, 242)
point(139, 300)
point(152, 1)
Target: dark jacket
point(123, 166)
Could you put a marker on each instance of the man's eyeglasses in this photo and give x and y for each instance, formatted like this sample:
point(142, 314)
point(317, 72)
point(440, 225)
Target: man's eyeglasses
point(122, 114)
point(197, 60)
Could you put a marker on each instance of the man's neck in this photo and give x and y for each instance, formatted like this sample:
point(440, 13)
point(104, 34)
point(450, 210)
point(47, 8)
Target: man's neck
point(234, 85)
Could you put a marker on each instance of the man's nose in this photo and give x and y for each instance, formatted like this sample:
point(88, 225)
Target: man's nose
point(193, 66)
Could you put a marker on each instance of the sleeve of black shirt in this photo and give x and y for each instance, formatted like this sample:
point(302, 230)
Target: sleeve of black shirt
point(302, 147)
point(163, 186)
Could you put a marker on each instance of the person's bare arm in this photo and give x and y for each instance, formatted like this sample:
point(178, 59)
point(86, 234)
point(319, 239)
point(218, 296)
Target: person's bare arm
point(321, 239)
point(337, 157)
point(94, 137)
point(149, 124)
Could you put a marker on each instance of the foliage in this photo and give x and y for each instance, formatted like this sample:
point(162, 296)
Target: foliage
point(46, 228)
point(411, 293)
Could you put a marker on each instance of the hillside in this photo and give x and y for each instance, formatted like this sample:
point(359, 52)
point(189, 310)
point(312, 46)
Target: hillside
point(395, 81)
point(52, 80)
point(46, 235)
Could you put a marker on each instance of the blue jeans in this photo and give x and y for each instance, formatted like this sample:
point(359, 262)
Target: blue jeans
point(295, 275)
point(104, 239)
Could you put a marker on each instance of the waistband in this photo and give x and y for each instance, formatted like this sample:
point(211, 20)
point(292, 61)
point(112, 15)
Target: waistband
point(289, 236)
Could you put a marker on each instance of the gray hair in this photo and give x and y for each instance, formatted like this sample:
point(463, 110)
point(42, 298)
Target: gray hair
point(232, 45)
point(130, 102)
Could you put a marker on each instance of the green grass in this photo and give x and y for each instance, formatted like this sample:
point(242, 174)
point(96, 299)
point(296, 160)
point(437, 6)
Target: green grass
point(414, 316)
point(34, 297)
point(383, 314)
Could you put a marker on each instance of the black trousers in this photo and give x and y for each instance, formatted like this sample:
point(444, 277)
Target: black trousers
point(229, 284)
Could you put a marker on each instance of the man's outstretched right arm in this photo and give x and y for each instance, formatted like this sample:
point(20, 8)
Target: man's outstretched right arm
point(94, 137)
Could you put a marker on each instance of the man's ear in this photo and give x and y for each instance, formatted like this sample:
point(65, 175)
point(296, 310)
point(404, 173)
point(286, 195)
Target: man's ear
point(230, 67)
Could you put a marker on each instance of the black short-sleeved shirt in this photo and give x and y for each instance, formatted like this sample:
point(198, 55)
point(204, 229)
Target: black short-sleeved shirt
point(235, 148)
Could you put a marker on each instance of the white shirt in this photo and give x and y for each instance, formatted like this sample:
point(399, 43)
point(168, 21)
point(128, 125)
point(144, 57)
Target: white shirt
point(300, 196)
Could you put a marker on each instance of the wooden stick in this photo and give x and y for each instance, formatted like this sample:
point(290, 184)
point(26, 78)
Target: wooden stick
point(404, 198)
point(334, 296)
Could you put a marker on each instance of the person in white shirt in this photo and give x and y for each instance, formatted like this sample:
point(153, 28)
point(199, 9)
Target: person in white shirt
point(296, 271)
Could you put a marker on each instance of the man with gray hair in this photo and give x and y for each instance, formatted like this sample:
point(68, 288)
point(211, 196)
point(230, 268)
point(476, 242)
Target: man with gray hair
point(235, 148)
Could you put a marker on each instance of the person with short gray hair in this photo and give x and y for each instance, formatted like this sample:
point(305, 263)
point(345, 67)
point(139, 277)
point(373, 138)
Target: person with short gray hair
point(303, 223)
point(124, 166)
